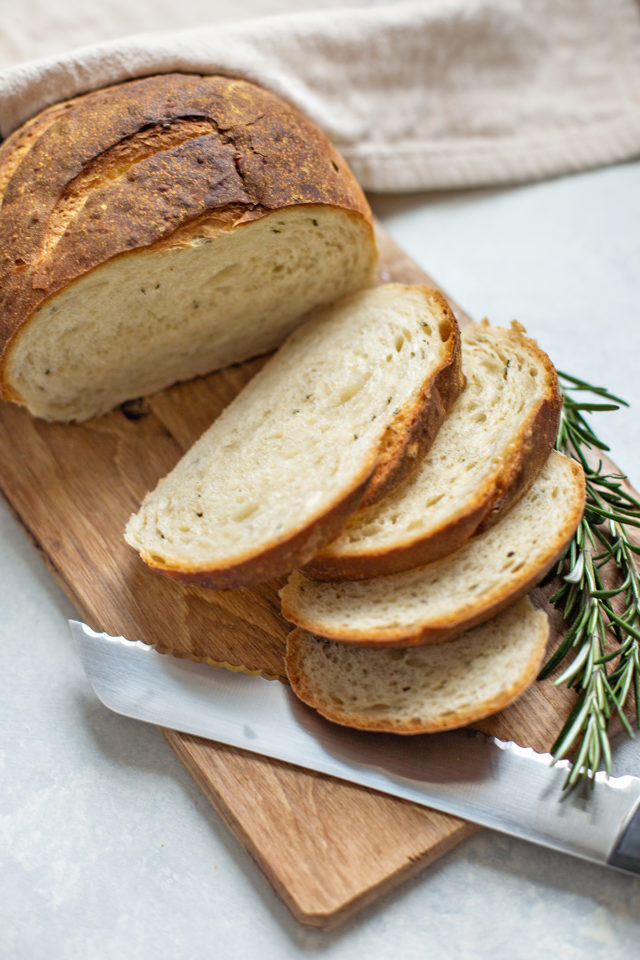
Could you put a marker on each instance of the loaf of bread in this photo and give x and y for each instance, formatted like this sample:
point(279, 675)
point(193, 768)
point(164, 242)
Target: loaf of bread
point(162, 228)
point(442, 599)
point(421, 689)
point(341, 413)
point(490, 449)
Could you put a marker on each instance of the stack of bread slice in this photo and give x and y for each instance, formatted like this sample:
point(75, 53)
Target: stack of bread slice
point(451, 622)
point(408, 473)
point(415, 619)
point(336, 418)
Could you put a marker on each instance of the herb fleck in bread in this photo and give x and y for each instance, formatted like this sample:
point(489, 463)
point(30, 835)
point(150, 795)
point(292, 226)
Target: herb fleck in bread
point(421, 689)
point(162, 228)
point(491, 447)
point(442, 599)
point(342, 412)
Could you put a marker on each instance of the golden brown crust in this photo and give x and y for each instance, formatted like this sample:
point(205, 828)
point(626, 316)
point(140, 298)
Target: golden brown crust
point(450, 627)
point(522, 464)
point(18, 144)
point(416, 425)
point(125, 167)
point(304, 691)
point(531, 450)
point(327, 567)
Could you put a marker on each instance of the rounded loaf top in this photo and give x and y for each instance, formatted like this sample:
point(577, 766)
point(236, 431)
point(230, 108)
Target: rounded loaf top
point(138, 165)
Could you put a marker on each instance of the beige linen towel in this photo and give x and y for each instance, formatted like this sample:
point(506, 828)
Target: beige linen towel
point(444, 93)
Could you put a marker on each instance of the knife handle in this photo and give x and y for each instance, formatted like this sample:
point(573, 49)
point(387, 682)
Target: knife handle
point(626, 853)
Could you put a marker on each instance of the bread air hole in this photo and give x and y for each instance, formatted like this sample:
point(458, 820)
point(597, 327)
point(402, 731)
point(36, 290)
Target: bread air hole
point(349, 391)
point(416, 524)
point(444, 329)
point(244, 513)
point(370, 530)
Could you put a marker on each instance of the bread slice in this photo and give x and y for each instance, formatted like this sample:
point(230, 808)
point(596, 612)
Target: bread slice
point(162, 228)
point(490, 449)
point(442, 599)
point(421, 689)
point(342, 411)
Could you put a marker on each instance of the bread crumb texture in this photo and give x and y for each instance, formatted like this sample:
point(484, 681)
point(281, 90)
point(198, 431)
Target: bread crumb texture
point(301, 438)
point(442, 598)
point(489, 450)
point(421, 689)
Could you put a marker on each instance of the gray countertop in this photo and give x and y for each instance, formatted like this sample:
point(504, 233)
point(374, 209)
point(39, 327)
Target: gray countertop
point(110, 850)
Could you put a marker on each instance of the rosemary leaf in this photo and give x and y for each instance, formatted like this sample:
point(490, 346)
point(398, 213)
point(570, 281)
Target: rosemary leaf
point(605, 642)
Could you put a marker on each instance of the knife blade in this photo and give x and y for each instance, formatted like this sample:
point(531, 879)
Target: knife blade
point(487, 781)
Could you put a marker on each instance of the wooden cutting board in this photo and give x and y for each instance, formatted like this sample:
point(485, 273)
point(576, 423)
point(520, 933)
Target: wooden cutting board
point(327, 847)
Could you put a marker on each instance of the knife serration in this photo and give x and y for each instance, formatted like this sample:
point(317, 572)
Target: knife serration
point(495, 783)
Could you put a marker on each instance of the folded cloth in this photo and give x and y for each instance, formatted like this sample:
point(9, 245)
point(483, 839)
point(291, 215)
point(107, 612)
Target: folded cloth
point(444, 93)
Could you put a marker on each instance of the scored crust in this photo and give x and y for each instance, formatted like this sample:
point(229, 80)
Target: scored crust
point(303, 687)
point(150, 158)
point(528, 454)
point(452, 625)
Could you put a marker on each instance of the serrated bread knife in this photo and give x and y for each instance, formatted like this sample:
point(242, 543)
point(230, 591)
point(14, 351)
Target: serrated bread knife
point(479, 778)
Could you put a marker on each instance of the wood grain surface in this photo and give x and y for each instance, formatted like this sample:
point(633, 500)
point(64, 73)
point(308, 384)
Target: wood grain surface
point(327, 847)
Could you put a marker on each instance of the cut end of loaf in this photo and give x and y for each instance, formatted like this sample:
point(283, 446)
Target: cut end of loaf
point(425, 689)
point(150, 318)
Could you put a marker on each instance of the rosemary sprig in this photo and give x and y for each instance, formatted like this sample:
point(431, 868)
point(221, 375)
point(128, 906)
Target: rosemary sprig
point(603, 622)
